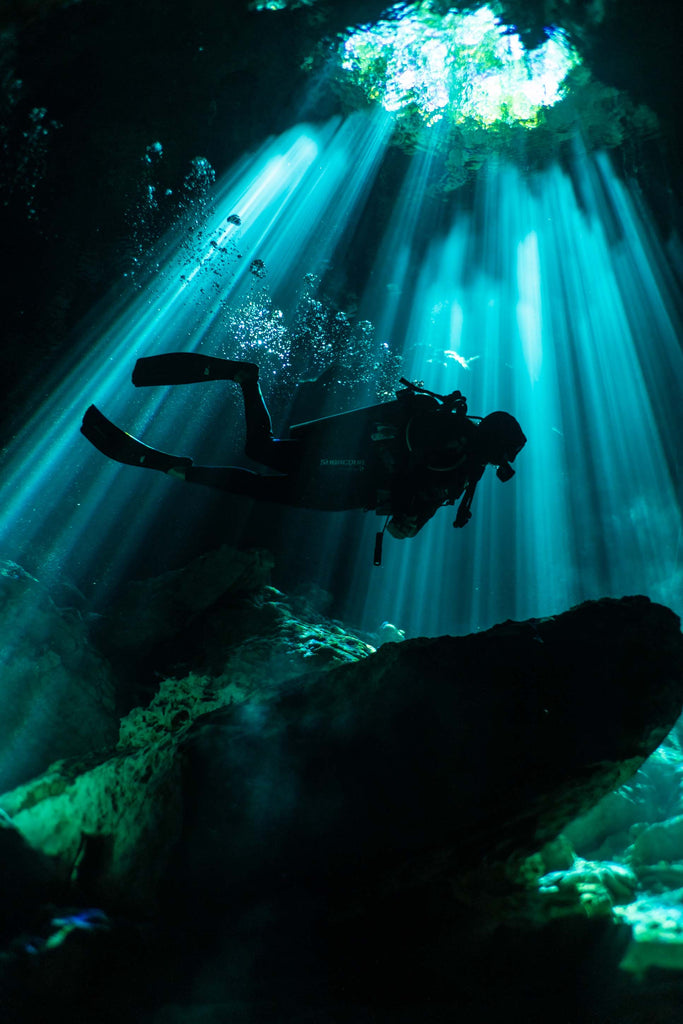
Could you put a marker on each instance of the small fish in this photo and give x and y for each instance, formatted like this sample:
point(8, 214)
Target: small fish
point(465, 363)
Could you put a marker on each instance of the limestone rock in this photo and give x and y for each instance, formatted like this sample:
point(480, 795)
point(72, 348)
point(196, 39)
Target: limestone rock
point(474, 746)
point(382, 787)
point(151, 612)
point(653, 796)
point(29, 877)
point(58, 692)
point(478, 745)
point(662, 841)
point(109, 821)
point(106, 823)
point(214, 628)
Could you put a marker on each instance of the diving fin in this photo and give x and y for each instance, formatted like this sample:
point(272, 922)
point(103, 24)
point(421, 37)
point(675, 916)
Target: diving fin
point(190, 368)
point(122, 447)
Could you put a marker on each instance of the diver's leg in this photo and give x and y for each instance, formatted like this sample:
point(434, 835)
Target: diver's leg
point(193, 367)
point(279, 489)
point(123, 447)
point(189, 368)
point(261, 445)
point(259, 425)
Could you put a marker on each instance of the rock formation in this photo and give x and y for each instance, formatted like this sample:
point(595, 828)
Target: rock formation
point(322, 808)
point(58, 692)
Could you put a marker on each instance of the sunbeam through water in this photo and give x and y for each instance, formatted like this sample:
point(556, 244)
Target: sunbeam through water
point(549, 298)
point(567, 318)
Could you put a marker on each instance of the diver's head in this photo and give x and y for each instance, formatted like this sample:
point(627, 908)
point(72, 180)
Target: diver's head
point(498, 442)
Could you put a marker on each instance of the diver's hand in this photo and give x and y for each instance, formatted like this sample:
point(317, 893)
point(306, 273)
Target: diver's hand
point(402, 527)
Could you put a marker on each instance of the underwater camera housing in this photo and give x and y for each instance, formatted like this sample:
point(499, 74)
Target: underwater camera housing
point(505, 472)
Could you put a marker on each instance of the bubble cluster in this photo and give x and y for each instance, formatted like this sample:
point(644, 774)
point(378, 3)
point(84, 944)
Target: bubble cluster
point(316, 336)
point(25, 139)
point(200, 177)
point(159, 203)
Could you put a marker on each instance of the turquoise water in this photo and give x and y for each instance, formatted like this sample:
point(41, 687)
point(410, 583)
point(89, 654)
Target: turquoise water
point(548, 295)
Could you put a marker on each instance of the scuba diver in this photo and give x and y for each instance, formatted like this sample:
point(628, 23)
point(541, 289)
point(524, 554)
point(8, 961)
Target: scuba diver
point(404, 459)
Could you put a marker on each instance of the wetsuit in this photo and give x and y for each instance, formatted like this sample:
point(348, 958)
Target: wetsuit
point(404, 458)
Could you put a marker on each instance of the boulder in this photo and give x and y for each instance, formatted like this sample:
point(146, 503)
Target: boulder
point(473, 747)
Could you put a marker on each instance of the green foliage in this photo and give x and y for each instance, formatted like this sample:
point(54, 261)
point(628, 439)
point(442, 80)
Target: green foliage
point(455, 65)
point(462, 84)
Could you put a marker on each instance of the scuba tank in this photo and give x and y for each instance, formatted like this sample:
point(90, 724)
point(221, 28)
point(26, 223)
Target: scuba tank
point(435, 434)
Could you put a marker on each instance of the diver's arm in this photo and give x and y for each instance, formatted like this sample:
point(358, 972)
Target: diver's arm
point(415, 497)
point(411, 513)
point(401, 527)
point(408, 522)
point(406, 526)
point(464, 513)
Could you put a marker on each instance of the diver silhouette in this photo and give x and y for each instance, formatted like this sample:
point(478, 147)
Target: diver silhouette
point(404, 458)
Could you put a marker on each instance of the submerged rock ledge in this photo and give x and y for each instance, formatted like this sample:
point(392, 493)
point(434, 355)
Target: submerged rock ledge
point(482, 746)
point(305, 763)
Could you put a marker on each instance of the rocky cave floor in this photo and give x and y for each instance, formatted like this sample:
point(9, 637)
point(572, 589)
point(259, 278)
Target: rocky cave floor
point(220, 806)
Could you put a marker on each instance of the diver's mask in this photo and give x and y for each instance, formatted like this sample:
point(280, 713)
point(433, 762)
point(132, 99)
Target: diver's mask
point(505, 472)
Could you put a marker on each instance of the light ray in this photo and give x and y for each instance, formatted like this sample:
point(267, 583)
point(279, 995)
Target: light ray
point(287, 204)
point(559, 311)
point(557, 307)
